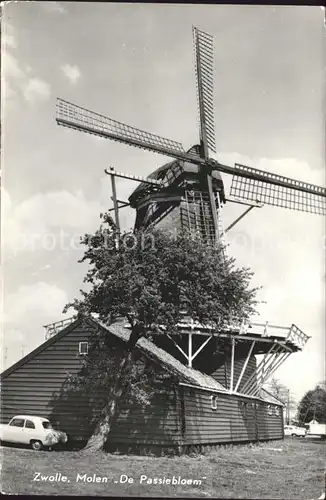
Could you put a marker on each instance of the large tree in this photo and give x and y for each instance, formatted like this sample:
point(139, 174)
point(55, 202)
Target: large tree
point(313, 405)
point(152, 280)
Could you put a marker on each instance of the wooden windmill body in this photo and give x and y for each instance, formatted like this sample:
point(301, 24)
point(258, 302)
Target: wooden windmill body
point(188, 192)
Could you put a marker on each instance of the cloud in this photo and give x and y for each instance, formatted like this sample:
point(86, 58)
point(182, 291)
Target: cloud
point(36, 89)
point(47, 221)
point(54, 7)
point(18, 79)
point(39, 300)
point(11, 67)
point(72, 72)
point(18, 82)
point(8, 36)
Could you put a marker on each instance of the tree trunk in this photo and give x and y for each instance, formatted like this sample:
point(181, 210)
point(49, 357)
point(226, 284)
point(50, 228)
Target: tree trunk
point(102, 430)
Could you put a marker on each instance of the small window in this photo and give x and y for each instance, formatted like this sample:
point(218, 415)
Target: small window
point(277, 411)
point(17, 422)
point(270, 410)
point(214, 402)
point(29, 424)
point(83, 347)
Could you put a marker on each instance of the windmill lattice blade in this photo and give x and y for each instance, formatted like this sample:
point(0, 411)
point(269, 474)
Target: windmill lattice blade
point(76, 117)
point(272, 189)
point(204, 67)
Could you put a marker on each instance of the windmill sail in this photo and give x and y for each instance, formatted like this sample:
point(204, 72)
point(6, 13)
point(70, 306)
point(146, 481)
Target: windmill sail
point(204, 67)
point(272, 189)
point(196, 217)
point(72, 116)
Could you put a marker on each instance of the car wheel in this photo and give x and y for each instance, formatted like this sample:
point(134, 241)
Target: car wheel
point(294, 435)
point(37, 445)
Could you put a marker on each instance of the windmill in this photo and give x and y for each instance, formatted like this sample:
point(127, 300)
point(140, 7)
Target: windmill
point(192, 183)
point(190, 187)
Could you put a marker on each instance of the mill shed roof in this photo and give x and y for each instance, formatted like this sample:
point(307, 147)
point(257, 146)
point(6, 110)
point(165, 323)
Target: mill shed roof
point(148, 348)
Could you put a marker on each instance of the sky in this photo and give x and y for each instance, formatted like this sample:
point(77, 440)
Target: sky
point(134, 63)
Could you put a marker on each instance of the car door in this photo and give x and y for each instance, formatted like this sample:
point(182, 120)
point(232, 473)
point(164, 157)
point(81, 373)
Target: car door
point(29, 431)
point(15, 430)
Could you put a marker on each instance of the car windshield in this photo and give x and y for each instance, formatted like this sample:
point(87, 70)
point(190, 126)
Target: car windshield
point(47, 425)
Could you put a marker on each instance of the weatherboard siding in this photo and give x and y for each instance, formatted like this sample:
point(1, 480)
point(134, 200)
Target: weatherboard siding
point(32, 387)
point(158, 423)
point(270, 426)
point(236, 419)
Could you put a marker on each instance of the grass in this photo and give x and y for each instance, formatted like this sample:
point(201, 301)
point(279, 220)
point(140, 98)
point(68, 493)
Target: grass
point(282, 469)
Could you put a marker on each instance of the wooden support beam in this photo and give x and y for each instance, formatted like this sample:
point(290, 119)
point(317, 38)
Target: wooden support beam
point(276, 361)
point(239, 218)
point(232, 363)
point(254, 376)
point(115, 203)
point(265, 364)
point(121, 204)
point(244, 366)
point(131, 177)
point(190, 350)
point(178, 347)
point(261, 376)
point(280, 361)
point(201, 347)
point(253, 204)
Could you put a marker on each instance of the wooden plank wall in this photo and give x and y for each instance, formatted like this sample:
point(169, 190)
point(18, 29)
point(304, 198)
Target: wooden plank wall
point(158, 423)
point(236, 419)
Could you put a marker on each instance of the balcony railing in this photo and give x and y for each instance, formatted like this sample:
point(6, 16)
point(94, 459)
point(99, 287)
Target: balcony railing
point(54, 328)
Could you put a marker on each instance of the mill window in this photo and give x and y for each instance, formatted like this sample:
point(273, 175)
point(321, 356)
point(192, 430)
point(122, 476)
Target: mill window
point(83, 347)
point(214, 399)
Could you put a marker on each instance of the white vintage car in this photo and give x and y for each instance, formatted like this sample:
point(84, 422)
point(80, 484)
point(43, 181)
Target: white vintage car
point(35, 431)
point(293, 430)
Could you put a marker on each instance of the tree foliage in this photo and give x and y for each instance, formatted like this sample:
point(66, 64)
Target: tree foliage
point(151, 279)
point(281, 392)
point(313, 405)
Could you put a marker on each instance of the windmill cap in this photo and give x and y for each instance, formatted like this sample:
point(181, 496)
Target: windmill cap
point(190, 170)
